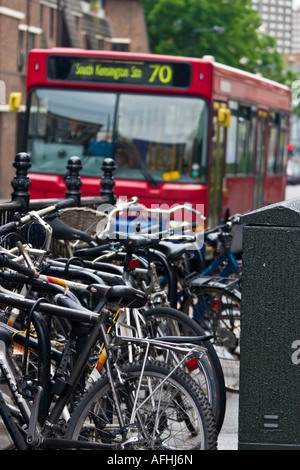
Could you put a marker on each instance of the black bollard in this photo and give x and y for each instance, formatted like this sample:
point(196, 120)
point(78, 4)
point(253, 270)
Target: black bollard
point(21, 182)
point(72, 180)
point(269, 398)
point(108, 181)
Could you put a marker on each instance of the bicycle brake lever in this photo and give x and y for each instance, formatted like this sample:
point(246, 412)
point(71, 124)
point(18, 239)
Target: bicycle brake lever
point(26, 257)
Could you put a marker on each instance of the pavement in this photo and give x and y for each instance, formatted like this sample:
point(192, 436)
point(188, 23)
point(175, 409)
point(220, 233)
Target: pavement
point(228, 437)
point(4, 438)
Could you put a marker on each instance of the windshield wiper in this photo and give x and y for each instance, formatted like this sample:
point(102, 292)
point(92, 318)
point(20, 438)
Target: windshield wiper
point(147, 175)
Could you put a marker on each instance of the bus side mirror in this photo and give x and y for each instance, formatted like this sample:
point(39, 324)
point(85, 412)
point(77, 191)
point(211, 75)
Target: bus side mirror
point(224, 117)
point(15, 100)
point(2, 92)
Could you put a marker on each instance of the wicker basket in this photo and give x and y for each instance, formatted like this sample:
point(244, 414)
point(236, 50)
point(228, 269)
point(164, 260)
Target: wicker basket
point(81, 218)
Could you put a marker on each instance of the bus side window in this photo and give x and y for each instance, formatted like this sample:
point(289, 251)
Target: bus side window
point(231, 147)
point(245, 144)
point(251, 160)
point(282, 153)
point(240, 140)
point(273, 147)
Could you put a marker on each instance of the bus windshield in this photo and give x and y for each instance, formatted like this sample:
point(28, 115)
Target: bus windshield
point(151, 137)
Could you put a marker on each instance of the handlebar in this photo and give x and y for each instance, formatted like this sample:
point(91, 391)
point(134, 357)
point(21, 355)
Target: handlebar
point(104, 233)
point(63, 204)
point(11, 226)
point(6, 262)
point(131, 242)
point(233, 220)
point(134, 201)
point(221, 233)
point(7, 228)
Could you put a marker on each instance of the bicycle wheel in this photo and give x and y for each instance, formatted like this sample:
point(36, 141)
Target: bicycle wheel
point(172, 411)
point(218, 310)
point(208, 371)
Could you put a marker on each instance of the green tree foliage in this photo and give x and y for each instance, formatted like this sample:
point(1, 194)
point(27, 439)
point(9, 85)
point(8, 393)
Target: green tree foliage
point(180, 27)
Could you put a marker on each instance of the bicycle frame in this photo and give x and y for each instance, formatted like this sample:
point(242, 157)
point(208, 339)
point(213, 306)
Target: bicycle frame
point(39, 437)
point(228, 258)
point(231, 267)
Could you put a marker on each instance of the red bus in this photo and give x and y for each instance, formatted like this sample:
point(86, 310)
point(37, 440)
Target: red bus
point(182, 130)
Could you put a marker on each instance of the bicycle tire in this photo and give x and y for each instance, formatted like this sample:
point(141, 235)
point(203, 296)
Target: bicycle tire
point(217, 311)
point(209, 374)
point(185, 422)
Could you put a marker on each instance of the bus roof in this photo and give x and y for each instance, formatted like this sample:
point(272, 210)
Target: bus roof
point(225, 68)
point(223, 74)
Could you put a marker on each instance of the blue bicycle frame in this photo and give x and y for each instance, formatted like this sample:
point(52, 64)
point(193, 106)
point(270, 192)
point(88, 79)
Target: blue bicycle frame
point(206, 276)
point(231, 267)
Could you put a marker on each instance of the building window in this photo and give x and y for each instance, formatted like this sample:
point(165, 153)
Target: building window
point(88, 44)
point(101, 43)
point(120, 44)
point(77, 23)
point(31, 41)
point(51, 24)
point(21, 52)
point(120, 47)
point(26, 42)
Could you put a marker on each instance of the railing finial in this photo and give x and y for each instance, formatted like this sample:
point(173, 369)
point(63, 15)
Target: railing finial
point(72, 180)
point(21, 182)
point(108, 181)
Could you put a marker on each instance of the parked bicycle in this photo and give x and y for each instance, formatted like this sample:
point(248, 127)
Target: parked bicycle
point(34, 278)
point(143, 405)
point(55, 276)
point(211, 295)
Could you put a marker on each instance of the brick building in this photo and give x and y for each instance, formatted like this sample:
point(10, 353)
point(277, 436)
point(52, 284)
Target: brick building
point(26, 24)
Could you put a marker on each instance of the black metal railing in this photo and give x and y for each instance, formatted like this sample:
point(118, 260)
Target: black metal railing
point(20, 199)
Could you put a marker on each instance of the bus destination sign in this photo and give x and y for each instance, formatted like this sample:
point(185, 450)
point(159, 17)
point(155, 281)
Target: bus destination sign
point(112, 71)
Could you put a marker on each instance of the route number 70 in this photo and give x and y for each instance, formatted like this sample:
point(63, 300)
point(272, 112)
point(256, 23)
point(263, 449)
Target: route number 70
point(161, 72)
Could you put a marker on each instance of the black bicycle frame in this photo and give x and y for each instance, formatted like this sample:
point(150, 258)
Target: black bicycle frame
point(42, 347)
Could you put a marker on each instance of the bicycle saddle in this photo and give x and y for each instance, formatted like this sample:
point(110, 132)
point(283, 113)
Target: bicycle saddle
point(132, 242)
point(173, 250)
point(62, 231)
point(121, 296)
